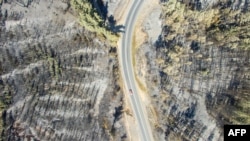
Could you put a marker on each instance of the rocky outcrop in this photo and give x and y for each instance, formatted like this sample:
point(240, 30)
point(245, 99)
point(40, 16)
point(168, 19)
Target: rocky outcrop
point(57, 80)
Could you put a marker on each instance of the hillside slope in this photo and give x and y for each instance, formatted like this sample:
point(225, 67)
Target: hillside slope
point(58, 81)
point(198, 70)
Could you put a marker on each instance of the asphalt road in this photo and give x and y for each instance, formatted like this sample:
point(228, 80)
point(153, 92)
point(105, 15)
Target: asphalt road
point(128, 73)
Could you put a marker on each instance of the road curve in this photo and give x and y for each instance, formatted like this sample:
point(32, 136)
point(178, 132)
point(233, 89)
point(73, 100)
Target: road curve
point(128, 73)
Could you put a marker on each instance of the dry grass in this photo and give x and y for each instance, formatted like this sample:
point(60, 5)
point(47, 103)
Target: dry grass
point(105, 124)
point(128, 112)
point(134, 48)
point(141, 86)
point(155, 115)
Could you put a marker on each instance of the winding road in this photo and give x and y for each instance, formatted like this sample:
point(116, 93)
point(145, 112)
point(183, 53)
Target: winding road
point(128, 73)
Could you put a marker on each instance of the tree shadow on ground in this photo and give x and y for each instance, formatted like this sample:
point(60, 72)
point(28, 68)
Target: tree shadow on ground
point(102, 9)
point(112, 25)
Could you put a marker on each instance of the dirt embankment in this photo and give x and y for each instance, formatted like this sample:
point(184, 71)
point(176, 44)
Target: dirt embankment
point(147, 29)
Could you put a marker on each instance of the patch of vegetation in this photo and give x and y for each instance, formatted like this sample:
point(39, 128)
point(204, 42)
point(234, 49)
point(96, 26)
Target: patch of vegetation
point(242, 110)
point(89, 18)
point(232, 29)
point(54, 68)
point(191, 24)
point(5, 100)
point(224, 27)
point(187, 32)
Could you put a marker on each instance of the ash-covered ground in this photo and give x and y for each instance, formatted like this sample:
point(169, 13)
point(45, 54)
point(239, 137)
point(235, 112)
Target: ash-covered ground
point(57, 80)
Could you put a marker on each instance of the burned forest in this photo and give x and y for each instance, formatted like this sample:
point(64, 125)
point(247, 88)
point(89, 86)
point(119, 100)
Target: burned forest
point(58, 81)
